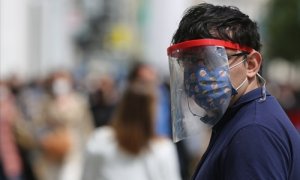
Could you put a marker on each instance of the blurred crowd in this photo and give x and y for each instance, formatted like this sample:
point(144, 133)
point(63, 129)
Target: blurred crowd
point(46, 123)
point(289, 98)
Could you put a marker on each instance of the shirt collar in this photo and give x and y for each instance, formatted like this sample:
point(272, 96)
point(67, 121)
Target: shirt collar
point(249, 97)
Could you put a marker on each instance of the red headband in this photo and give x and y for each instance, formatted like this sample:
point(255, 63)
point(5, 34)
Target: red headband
point(208, 42)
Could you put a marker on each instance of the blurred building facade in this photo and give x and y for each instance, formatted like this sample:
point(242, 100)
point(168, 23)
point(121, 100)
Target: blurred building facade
point(40, 36)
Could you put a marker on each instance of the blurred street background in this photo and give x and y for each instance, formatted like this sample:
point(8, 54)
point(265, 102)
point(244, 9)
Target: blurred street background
point(49, 48)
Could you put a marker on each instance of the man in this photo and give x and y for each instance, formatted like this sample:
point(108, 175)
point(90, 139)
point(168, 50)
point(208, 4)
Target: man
point(214, 64)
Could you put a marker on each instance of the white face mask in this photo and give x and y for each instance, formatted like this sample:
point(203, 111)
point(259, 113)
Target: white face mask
point(61, 87)
point(238, 63)
point(237, 88)
point(263, 98)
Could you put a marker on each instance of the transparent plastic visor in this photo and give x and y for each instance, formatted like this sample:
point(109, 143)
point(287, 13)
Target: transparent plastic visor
point(200, 88)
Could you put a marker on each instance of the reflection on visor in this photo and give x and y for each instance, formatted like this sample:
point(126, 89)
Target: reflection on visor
point(191, 61)
point(208, 56)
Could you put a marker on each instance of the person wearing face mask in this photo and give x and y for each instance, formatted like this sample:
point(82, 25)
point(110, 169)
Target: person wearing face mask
point(62, 129)
point(215, 64)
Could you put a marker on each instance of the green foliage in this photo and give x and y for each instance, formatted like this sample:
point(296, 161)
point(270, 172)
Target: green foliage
point(283, 30)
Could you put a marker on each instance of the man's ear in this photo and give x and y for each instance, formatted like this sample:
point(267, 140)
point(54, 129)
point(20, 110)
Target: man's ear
point(253, 64)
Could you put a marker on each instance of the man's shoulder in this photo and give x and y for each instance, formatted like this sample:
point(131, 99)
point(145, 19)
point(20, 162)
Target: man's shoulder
point(266, 116)
point(267, 113)
point(265, 120)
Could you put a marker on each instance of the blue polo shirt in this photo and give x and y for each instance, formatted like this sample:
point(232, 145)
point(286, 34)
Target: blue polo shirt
point(254, 140)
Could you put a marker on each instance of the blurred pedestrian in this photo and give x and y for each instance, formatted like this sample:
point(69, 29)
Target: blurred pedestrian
point(63, 128)
point(143, 72)
point(13, 138)
point(103, 99)
point(129, 147)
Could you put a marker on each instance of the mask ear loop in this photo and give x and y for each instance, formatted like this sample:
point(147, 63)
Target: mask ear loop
point(238, 63)
point(194, 114)
point(263, 91)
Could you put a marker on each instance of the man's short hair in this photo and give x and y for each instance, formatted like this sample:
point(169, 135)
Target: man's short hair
point(218, 22)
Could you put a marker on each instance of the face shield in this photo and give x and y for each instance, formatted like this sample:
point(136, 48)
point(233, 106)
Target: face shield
point(200, 84)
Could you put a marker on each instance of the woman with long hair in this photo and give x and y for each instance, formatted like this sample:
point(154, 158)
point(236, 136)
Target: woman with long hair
point(129, 147)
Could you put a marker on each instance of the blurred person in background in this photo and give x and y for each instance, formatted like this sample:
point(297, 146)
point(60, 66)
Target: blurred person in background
point(129, 148)
point(15, 139)
point(142, 72)
point(103, 99)
point(28, 96)
point(62, 129)
point(289, 99)
point(214, 64)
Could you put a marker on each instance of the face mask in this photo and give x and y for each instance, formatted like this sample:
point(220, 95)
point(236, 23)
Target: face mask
point(236, 89)
point(211, 90)
point(61, 87)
